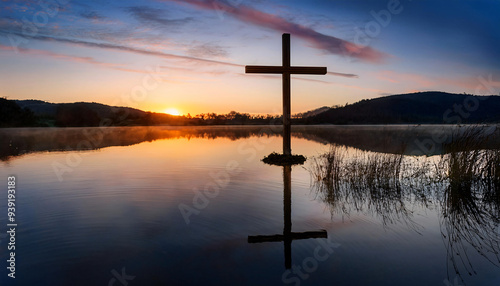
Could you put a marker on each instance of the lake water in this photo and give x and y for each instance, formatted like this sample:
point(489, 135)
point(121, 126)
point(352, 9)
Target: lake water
point(197, 206)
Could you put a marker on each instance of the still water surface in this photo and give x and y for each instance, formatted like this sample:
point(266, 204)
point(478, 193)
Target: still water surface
point(125, 206)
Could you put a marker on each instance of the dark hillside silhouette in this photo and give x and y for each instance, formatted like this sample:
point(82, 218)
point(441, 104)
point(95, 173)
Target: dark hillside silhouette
point(76, 115)
point(415, 108)
point(12, 115)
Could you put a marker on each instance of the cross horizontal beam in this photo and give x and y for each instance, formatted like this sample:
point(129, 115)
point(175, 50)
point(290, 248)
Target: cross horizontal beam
point(282, 70)
point(291, 236)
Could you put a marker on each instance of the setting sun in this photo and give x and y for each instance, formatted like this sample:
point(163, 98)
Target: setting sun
point(172, 111)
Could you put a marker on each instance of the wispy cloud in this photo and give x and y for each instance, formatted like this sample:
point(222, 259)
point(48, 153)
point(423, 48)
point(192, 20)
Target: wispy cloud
point(318, 40)
point(350, 75)
point(132, 50)
point(92, 15)
point(278, 77)
point(341, 85)
point(207, 50)
point(123, 48)
point(70, 58)
point(408, 78)
point(156, 17)
point(418, 82)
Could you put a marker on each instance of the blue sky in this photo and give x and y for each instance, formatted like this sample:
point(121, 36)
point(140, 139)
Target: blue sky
point(190, 55)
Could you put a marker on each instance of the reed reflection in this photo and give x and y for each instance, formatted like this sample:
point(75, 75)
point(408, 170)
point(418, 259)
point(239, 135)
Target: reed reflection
point(471, 201)
point(373, 183)
point(463, 185)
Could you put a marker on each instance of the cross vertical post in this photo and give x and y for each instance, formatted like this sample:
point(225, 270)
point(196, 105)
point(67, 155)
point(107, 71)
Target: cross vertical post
point(287, 148)
point(286, 70)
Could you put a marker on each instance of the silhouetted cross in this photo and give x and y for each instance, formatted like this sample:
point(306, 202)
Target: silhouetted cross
point(287, 235)
point(286, 70)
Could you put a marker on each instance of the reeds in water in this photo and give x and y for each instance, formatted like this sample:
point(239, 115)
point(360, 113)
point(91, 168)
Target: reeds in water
point(464, 182)
point(361, 181)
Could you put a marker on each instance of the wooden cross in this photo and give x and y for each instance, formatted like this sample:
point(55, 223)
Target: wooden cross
point(287, 235)
point(286, 70)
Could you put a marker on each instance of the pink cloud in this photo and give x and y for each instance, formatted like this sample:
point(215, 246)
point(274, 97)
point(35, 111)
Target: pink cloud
point(87, 60)
point(417, 83)
point(324, 42)
point(348, 86)
point(397, 77)
point(467, 83)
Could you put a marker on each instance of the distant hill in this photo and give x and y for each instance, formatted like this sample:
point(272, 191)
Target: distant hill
point(12, 115)
point(81, 114)
point(41, 108)
point(311, 112)
point(38, 107)
point(415, 108)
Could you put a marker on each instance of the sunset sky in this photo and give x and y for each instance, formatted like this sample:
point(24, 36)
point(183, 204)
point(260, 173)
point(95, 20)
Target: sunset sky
point(189, 55)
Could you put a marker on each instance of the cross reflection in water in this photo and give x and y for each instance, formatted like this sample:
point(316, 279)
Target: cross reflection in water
point(288, 236)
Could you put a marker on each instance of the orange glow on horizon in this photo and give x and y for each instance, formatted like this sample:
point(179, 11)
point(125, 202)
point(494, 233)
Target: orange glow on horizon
point(172, 111)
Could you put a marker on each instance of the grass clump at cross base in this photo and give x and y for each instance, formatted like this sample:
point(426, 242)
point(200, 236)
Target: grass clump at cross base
point(283, 160)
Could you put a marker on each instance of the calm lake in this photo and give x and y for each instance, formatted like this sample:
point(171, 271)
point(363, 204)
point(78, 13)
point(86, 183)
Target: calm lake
point(372, 205)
